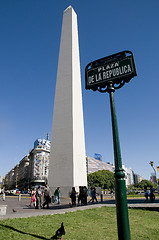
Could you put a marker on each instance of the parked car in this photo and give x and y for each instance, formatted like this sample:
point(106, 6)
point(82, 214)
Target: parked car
point(7, 192)
point(18, 191)
point(13, 191)
point(25, 192)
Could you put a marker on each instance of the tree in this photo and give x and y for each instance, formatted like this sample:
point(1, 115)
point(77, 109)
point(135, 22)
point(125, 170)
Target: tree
point(101, 178)
point(144, 183)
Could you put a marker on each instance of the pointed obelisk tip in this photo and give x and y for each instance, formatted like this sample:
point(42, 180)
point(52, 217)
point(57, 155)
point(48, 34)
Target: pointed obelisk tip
point(69, 8)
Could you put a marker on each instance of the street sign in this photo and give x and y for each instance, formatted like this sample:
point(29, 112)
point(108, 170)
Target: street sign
point(106, 75)
point(114, 68)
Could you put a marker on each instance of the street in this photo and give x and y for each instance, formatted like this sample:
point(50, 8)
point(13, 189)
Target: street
point(16, 208)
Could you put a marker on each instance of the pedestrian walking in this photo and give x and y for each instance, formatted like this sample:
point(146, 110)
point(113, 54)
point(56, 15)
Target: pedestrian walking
point(57, 195)
point(47, 198)
point(93, 195)
point(33, 198)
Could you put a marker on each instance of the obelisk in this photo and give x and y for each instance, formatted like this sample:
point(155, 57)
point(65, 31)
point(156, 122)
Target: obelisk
point(67, 166)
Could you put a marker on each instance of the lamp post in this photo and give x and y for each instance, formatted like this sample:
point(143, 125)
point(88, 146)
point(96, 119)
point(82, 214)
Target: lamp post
point(151, 163)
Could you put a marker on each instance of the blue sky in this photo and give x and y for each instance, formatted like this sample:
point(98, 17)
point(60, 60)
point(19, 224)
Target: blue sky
point(29, 48)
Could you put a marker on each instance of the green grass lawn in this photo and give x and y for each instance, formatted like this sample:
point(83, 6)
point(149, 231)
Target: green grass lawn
point(98, 223)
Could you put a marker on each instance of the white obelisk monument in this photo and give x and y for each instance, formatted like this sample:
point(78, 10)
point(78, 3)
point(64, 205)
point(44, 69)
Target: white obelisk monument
point(67, 166)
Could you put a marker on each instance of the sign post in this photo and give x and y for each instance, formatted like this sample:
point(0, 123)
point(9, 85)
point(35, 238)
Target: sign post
point(111, 73)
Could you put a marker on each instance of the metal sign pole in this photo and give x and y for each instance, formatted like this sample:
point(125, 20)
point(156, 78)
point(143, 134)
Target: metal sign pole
point(120, 191)
point(106, 75)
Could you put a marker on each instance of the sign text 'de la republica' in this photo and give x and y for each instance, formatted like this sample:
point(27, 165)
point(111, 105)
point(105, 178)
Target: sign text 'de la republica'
point(110, 71)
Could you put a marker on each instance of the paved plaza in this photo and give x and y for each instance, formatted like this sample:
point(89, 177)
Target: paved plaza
point(21, 209)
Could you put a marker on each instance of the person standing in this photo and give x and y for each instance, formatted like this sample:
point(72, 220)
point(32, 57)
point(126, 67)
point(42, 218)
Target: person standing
point(152, 195)
point(73, 196)
point(19, 197)
point(146, 194)
point(38, 197)
point(3, 195)
point(80, 195)
point(57, 195)
point(85, 194)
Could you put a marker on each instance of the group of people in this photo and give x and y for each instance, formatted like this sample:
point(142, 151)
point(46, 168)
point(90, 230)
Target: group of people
point(40, 199)
point(148, 194)
point(82, 196)
point(36, 197)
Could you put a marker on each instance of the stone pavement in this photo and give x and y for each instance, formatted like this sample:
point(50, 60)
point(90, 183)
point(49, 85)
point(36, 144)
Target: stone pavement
point(21, 209)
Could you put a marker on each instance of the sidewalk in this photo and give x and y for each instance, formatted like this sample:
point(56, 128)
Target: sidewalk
point(16, 209)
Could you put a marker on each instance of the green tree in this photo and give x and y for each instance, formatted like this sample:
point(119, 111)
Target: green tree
point(144, 183)
point(101, 178)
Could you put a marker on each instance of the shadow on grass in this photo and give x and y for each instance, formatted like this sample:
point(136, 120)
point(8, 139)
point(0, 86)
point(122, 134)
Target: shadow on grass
point(19, 231)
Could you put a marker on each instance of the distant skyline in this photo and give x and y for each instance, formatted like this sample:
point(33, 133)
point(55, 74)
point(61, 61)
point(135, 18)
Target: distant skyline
point(29, 46)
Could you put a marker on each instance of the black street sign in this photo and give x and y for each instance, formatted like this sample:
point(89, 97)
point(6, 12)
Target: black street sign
point(113, 68)
point(106, 75)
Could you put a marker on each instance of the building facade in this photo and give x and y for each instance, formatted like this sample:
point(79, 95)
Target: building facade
point(137, 178)
point(94, 165)
point(9, 179)
point(32, 170)
point(129, 176)
point(39, 162)
point(23, 179)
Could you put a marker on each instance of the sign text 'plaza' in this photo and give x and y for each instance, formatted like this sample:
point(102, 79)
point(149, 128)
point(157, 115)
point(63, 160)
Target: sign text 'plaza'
point(100, 72)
